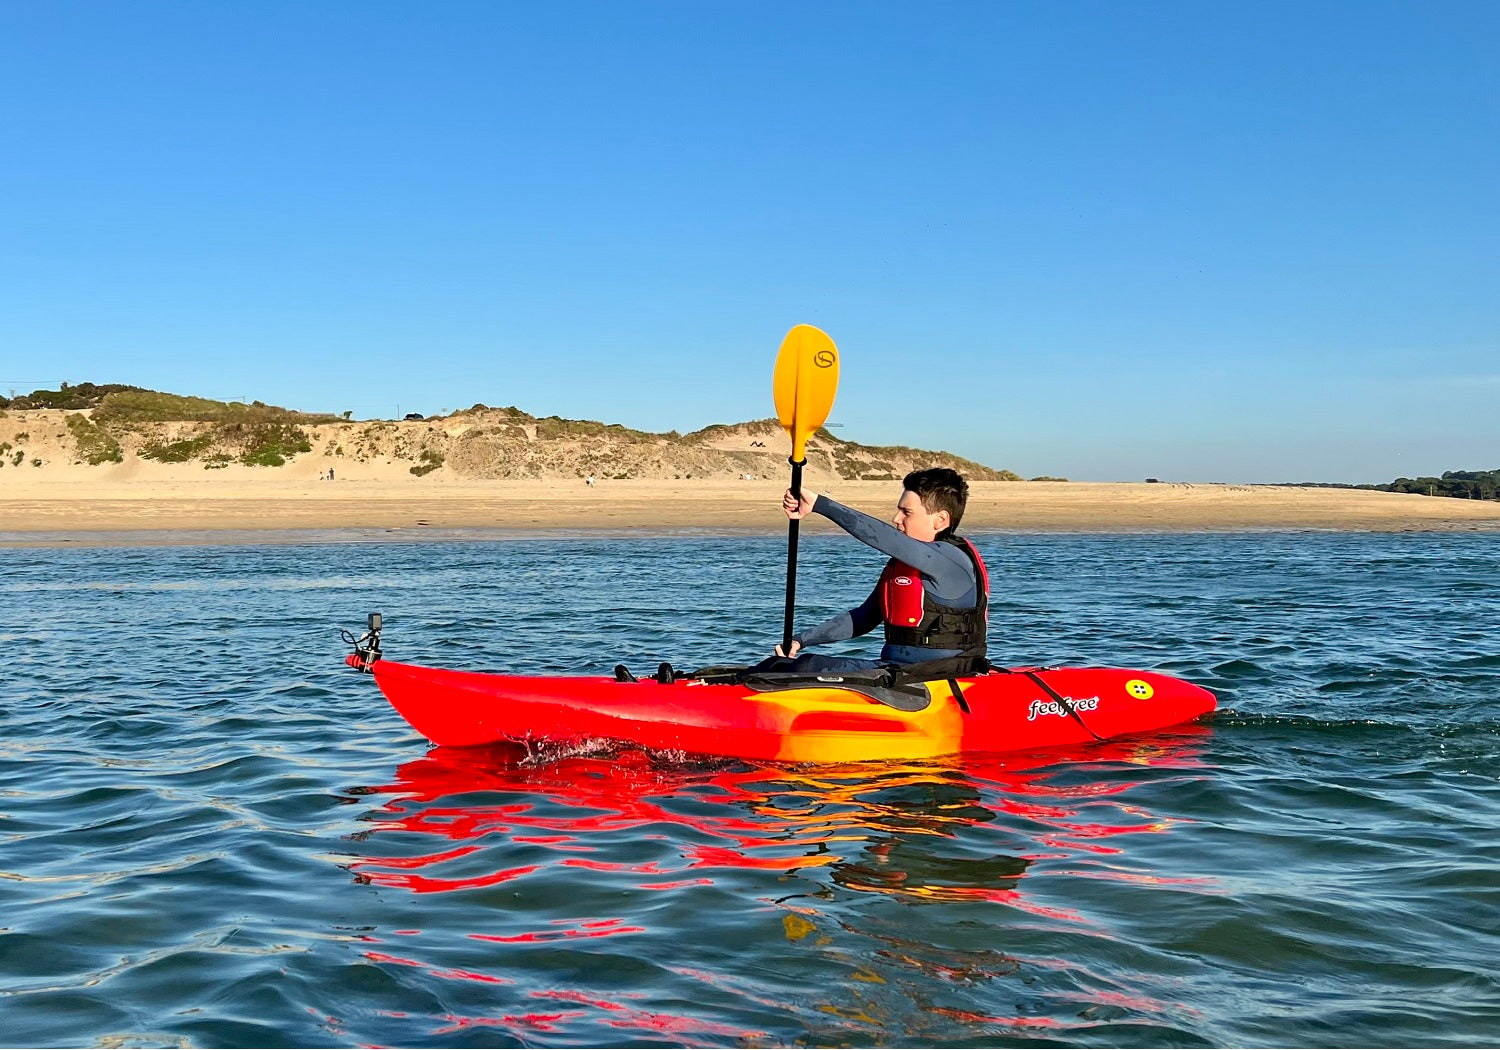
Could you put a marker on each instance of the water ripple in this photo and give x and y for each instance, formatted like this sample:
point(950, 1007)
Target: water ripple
point(211, 833)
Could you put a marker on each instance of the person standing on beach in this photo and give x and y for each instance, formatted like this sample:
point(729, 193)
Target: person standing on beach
point(933, 596)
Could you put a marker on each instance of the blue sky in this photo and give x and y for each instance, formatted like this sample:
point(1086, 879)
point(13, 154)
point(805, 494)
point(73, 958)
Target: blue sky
point(1197, 241)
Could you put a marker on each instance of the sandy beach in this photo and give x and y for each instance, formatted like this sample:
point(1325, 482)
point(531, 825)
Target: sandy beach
point(133, 504)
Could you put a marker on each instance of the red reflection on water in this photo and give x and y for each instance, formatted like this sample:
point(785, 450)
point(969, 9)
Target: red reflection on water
point(630, 1017)
point(492, 818)
point(449, 973)
point(597, 928)
point(862, 820)
point(619, 1016)
point(538, 1022)
point(624, 1017)
point(970, 1017)
point(428, 884)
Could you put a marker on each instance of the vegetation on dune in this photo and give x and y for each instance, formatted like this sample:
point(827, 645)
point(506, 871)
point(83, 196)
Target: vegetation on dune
point(477, 442)
point(15, 458)
point(857, 462)
point(84, 395)
point(95, 444)
point(255, 444)
point(877, 462)
point(715, 431)
point(265, 444)
point(256, 434)
point(555, 428)
point(430, 461)
point(177, 451)
point(134, 405)
point(510, 411)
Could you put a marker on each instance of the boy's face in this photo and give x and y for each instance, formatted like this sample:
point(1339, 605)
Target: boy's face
point(916, 520)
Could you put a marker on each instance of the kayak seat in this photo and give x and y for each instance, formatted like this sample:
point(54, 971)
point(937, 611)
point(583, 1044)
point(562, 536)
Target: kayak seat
point(719, 675)
point(622, 674)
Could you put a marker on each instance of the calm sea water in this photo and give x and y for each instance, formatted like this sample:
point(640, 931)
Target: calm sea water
point(212, 833)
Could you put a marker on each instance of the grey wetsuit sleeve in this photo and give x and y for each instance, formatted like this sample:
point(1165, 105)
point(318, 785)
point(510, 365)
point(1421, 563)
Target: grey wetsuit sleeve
point(851, 624)
point(944, 566)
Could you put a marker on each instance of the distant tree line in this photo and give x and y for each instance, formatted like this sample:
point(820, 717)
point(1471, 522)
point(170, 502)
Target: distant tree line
point(1462, 484)
point(1457, 484)
point(84, 395)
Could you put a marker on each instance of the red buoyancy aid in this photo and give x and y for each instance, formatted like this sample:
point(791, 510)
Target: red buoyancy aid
point(913, 618)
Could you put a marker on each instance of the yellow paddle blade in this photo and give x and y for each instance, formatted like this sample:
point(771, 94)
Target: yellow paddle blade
point(807, 377)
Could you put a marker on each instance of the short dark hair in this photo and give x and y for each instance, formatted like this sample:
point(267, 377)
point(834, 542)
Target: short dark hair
point(940, 488)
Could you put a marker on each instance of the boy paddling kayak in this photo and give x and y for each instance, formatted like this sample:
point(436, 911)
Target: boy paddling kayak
point(932, 597)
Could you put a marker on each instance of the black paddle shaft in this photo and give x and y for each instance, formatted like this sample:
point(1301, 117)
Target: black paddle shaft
point(791, 559)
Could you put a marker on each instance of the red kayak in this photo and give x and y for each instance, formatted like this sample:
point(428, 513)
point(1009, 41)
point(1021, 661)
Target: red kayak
point(828, 719)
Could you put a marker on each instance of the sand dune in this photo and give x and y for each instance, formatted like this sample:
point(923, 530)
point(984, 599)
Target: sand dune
point(64, 501)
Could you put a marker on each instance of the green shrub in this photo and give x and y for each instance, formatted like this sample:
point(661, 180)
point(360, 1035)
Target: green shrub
point(151, 406)
point(95, 445)
point(430, 461)
point(84, 395)
point(177, 451)
point(268, 444)
point(555, 427)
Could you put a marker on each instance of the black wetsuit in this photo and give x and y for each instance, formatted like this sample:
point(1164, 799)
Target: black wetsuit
point(947, 575)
